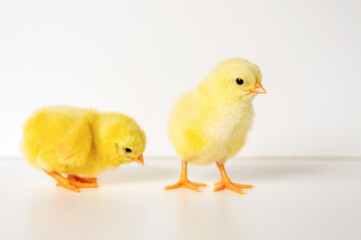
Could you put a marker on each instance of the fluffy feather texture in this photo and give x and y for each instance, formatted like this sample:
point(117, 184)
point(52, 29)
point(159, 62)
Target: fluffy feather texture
point(211, 122)
point(79, 141)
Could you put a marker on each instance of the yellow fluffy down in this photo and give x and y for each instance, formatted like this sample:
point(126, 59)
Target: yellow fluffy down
point(80, 141)
point(211, 123)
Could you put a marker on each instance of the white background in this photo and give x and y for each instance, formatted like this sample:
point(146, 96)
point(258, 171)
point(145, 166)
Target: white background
point(137, 57)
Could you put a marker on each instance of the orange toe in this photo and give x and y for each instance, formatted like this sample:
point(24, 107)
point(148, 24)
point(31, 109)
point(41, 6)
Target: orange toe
point(199, 184)
point(84, 185)
point(243, 185)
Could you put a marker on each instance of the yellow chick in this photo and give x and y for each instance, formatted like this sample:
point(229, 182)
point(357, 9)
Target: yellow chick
point(81, 143)
point(210, 124)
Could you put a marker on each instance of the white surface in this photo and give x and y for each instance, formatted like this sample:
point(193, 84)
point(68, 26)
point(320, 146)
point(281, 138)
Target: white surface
point(292, 199)
point(136, 57)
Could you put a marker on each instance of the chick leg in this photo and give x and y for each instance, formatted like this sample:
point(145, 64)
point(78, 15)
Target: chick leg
point(226, 183)
point(82, 182)
point(62, 181)
point(184, 182)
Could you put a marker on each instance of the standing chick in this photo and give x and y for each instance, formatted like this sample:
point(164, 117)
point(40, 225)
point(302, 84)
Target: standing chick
point(210, 124)
point(81, 143)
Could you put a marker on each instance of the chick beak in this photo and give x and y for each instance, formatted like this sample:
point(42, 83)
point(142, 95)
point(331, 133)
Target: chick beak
point(139, 159)
point(258, 89)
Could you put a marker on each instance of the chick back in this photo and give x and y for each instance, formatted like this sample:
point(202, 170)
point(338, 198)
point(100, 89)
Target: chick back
point(58, 138)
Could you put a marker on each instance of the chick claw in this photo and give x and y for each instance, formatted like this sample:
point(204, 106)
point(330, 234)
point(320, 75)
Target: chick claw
point(186, 184)
point(68, 186)
point(235, 187)
point(81, 182)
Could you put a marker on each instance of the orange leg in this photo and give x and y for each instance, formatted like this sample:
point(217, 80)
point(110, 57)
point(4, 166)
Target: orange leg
point(226, 183)
point(81, 182)
point(62, 181)
point(184, 182)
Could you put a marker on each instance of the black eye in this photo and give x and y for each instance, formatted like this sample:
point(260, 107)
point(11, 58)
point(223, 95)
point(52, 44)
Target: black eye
point(128, 150)
point(239, 81)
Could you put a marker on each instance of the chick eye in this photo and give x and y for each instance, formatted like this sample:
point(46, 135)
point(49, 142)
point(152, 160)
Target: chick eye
point(239, 81)
point(128, 150)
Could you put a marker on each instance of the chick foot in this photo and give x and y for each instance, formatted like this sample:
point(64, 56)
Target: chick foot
point(82, 182)
point(82, 179)
point(184, 182)
point(62, 181)
point(225, 182)
point(235, 184)
point(235, 187)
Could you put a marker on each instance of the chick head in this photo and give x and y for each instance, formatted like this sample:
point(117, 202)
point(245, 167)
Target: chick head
point(122, 140)
point(235, 78)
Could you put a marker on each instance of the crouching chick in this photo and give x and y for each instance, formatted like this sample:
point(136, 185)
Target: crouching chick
point(81, 143)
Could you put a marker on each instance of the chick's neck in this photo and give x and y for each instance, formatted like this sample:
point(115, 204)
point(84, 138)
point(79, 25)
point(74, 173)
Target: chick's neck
point(99, 151)
point(100, 157)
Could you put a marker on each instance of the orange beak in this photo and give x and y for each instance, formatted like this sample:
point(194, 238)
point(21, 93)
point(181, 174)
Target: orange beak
point(139, 159)
point(258, 89)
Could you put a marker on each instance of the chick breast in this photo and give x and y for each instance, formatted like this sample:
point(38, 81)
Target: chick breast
point(203, 131)
point(57, 138)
